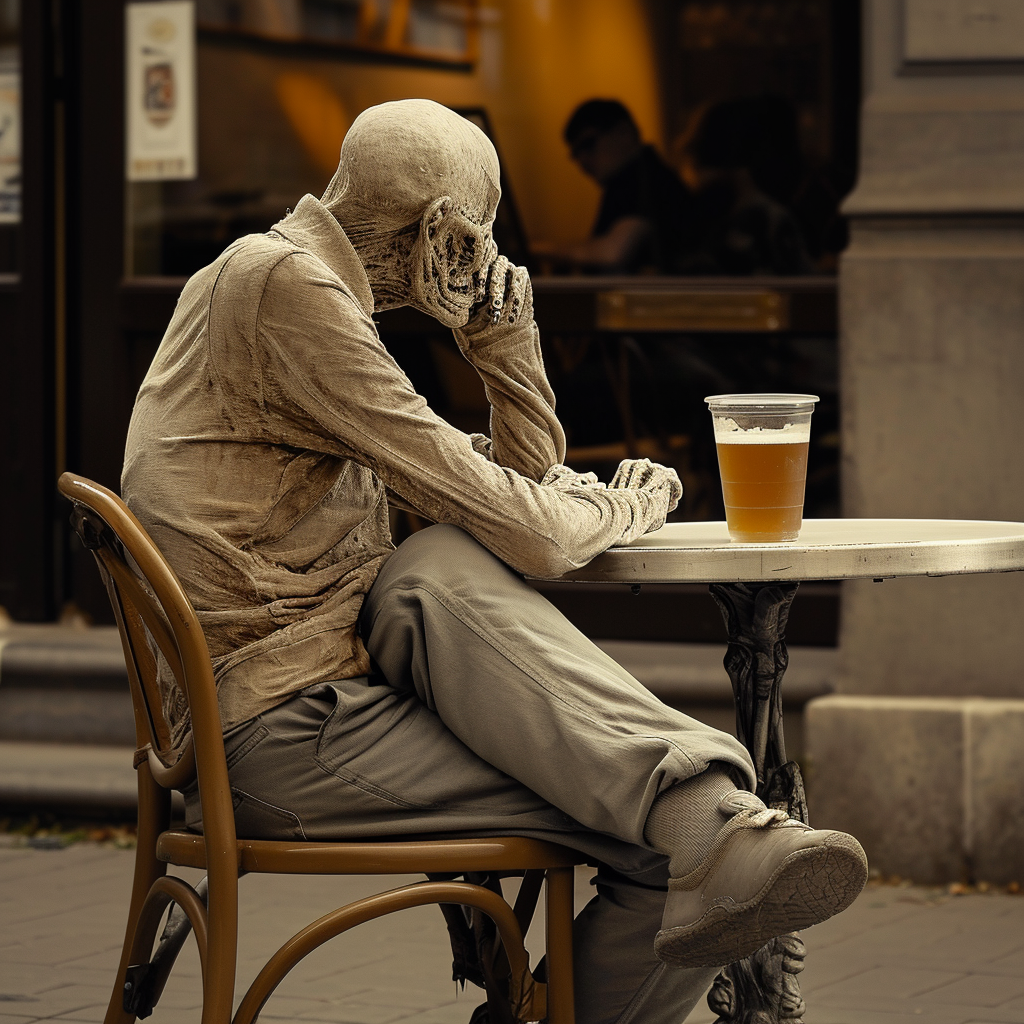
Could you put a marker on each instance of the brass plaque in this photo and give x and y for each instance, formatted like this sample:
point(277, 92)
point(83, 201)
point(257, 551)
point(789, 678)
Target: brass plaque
point(752, 310)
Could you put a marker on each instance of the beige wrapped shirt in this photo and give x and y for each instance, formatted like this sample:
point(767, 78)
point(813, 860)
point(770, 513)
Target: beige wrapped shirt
point(269, 430)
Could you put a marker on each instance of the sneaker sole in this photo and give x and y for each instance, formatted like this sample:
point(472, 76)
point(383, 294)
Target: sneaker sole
point(808, 887)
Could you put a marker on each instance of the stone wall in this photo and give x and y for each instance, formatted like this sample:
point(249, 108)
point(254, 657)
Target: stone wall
point(932, 389)
point(932, 384)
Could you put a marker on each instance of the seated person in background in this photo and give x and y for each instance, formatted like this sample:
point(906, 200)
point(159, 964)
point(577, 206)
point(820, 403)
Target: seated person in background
point(741, 159)
point(368, 692)
point(642, 215)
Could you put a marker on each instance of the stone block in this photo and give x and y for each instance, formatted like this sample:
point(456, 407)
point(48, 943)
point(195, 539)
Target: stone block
point(49, 715)
point(939, 136)
point(889, 771)
point(933, 787)
point(995, 784)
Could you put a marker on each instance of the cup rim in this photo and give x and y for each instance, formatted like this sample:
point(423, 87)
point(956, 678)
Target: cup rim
point(768, 401)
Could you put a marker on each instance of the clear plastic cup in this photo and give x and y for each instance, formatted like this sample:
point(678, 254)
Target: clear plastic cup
point(762, 443)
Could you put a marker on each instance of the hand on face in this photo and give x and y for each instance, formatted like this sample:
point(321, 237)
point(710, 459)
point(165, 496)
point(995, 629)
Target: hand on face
point(452, 255)
point(503, 297)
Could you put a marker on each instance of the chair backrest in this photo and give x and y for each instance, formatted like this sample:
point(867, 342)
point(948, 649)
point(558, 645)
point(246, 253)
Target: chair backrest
point(155, 618)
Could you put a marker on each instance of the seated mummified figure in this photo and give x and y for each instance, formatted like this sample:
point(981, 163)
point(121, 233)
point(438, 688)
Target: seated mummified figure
point(368, 692)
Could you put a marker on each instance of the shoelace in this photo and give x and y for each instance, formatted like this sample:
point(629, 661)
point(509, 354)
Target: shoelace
point(769, 816)
point(752, 809)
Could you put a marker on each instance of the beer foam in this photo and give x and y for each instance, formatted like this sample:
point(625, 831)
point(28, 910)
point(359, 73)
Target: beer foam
point(728, 431)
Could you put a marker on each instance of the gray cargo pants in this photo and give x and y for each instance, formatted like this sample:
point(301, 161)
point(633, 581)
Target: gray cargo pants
point(489, 713)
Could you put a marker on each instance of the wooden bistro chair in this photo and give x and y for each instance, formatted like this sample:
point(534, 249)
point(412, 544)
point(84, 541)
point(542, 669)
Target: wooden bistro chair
point(152, 611)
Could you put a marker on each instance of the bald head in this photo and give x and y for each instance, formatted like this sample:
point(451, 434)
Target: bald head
point(399, 157)
point(416, 191)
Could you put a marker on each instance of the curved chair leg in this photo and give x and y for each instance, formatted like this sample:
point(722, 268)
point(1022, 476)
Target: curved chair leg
point(142, 983)
point(222, 952)
point(222, 920)
point(561, 1006)
point(525, 992)
point(176, 931)
point(165, 891)
point(149, 976)
point(154, 818)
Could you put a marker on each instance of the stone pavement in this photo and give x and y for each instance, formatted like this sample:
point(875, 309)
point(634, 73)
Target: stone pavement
point(900, 955)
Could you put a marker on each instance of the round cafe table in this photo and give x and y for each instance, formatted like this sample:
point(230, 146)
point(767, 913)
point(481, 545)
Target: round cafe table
point(754, 586)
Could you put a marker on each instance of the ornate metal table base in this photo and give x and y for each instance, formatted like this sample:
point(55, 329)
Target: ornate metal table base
point(763, 989)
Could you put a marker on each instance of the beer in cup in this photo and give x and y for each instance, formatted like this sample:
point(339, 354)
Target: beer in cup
point(762, 443)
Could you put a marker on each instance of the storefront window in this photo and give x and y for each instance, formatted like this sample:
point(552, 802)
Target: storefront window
point(276, 86)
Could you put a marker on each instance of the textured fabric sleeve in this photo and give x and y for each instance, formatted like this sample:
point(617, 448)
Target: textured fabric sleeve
point(525, 433)
point(329, 384)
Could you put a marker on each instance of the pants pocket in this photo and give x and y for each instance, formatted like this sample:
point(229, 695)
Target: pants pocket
point(258, 819)
point(247, 744)
point(237, 745)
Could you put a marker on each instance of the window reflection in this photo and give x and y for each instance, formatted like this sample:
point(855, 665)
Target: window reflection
point(279, 82)
point(263, 143)
point(440, 27)
point(10, 136)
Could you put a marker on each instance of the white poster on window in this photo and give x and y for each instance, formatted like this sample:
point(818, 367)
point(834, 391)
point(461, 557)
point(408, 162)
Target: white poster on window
point(160, 90)
point(10, 145)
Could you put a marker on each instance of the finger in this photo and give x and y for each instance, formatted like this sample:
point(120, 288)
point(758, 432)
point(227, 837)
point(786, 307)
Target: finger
point(629, 473)
point(619, 475)
point(642, 473)
point(507, 291)
point(677, 489)
point(504, 303)
point(484, 281)
point(524, 295)
point(497, 286)
point(514, 294)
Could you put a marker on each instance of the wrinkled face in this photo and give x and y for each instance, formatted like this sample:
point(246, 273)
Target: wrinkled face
point(450, 256)
point(413, 167)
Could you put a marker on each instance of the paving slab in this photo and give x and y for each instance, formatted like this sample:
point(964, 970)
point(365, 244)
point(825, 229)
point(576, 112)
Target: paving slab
point(899, 955)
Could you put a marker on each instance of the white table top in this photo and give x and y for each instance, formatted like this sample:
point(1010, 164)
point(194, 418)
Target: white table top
point(827, 549)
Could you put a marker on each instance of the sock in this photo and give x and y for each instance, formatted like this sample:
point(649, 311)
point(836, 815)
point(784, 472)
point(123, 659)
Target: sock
point(684, 820)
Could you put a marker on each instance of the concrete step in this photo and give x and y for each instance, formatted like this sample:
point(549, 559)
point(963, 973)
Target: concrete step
point(43, 775)
point(67, 730)
point(64, 684)
point(61, 656)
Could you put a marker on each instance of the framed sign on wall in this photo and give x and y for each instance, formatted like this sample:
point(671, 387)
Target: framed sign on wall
point(160, 90)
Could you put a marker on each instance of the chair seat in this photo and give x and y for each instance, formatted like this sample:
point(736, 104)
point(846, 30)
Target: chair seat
point(494, 853)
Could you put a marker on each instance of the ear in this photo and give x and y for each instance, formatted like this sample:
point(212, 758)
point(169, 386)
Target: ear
point(434, 214)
